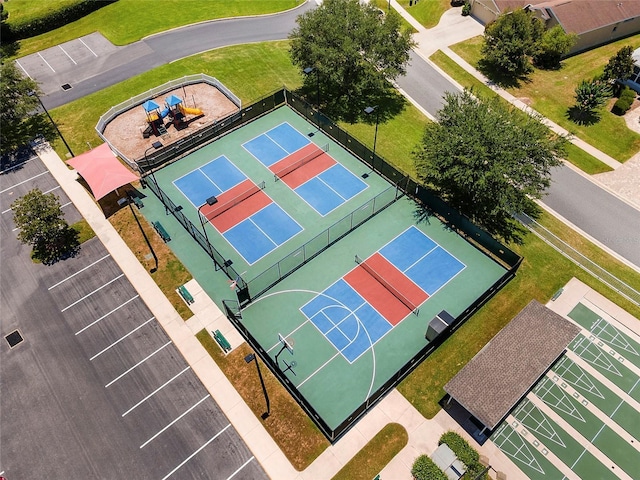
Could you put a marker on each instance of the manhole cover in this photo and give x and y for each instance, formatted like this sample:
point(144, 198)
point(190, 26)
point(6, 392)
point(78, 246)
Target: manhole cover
point(66, 86)
point(14, 338)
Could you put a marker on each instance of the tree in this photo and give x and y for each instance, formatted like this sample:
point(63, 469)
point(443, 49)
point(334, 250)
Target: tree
point(40, 220)
point(354, 49)
point(591, 95)
point(509, 41)
point(488, 161)
point(554, 44)
point(620, 66)
point(20, 123)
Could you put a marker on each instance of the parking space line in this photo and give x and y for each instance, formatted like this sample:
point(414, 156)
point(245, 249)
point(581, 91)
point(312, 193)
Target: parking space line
point(65, 52)
point(25, 72)
point(79, 271)
point(48, 191)
point(155, 391)
point(136, 365)
point(46, 63)
point(107, 314)
point(2, 172)
point(94, 53)
point(89, 294)
point(24, 181)
point(120, 339)
point(196, 452)
point(191, 408)
point(240, 468)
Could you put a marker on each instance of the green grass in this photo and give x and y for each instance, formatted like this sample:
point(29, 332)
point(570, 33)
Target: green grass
point(127, 21)
point(85, 232)
point(427, 12)
point(376, 454)
point(551, 92)
point(578, 157)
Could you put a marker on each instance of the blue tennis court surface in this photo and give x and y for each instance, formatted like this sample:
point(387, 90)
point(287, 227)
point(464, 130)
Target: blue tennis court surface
point(275, 144)
point(217, 176)
point(350, 323)
point(330, 189)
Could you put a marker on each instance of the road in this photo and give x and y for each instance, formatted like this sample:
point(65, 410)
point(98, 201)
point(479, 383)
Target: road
point(590, 208)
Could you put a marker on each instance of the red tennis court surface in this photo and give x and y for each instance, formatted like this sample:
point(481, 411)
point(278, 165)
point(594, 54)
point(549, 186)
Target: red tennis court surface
point(378, 296)
point(235, 205)
point(306, 171)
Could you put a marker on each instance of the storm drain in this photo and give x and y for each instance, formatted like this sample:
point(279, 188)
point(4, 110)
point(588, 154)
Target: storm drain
point(14, 338)
point(66, 86)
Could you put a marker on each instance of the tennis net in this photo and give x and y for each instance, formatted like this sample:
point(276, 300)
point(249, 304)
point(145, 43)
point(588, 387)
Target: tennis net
point(223, 207)
point(394, 291)
point(297, 164)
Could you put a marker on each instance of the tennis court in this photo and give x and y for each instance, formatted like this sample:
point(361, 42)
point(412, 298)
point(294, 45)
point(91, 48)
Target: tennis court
point(583, 416)
point(343, 280)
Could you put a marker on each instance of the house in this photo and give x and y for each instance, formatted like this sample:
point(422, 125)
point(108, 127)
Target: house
point(596, 22)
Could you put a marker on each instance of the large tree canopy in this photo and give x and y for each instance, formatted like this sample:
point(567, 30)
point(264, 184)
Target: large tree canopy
point(41, 222)
point(488, 161)
point(20, 123)
point(354, 49)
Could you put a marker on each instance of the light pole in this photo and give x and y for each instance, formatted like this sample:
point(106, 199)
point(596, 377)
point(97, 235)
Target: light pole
point(252, 358)
point(369, 111)
point(209, 201)
point(308, 71)
point(153, 253)
point(154, 146)
point(33, 93)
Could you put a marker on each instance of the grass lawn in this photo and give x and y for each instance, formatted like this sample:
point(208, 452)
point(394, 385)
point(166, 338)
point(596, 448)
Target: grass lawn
point(542, 273)
point(551, 92)
point(581, 159)
point(85, 232)
point(427, 12)
point(127, 21)
point(376, 454)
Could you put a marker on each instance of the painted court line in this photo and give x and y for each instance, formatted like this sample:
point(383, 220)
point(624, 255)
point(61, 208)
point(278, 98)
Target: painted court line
point(136, 365)
point(182, 415)
point(67, 54)
point(79, 271)
point(120, 339)
point(107, 314)
point(24, 181)
point(88, 48)
point(196, 452)
point(155, 391)
point(318, 369)
point(89, 294)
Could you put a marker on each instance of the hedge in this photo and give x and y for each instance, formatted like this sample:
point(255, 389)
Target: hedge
point(12, 32)
point(624, 102)
point(425, 469)
point(465, 453)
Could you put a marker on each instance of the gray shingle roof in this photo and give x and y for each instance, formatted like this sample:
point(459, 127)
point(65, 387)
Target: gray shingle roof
point(491, 384)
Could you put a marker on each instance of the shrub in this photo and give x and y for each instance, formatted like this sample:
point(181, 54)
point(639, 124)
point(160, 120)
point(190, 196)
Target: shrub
point(624, 102)
point(465, 452)
point(424, 469)
point(466, 8)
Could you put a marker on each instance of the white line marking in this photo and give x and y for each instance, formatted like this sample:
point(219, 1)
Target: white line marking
point(65, 52)
point(89, 294)
point(154, 392)
point(30, 77)
point(136, 365)
point(79, 271)
point(94, 53)
point(241, 467)
point(120, 339)
point(46, 63)
point(24, 181)
point(196, 452)
point(194, 406)
point(107, 314)
point(2, 172)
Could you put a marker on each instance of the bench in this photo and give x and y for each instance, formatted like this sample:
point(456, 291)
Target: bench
point(137, 202)
point(161, 231)
point(186, 296)
point(223, 342)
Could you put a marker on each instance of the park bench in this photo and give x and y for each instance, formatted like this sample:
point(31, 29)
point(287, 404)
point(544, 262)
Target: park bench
point(186, 296)
point(223, 342)
point(161, 231)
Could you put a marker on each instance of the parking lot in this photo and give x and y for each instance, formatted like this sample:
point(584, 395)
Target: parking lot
point(96, 389)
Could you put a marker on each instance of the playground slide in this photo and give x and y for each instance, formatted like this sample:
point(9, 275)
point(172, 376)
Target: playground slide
point(191, 111)
point(164, 112)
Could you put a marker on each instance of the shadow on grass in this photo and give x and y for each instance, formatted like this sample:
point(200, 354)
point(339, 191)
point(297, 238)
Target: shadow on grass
point(582, 117)
point(499, 78)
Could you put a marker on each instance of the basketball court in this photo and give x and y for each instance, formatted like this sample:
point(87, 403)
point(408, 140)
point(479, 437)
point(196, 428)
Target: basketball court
point(347, 280)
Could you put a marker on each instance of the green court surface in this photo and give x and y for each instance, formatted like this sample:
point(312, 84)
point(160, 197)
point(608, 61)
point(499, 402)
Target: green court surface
point(335, 384)
point(599, 412)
